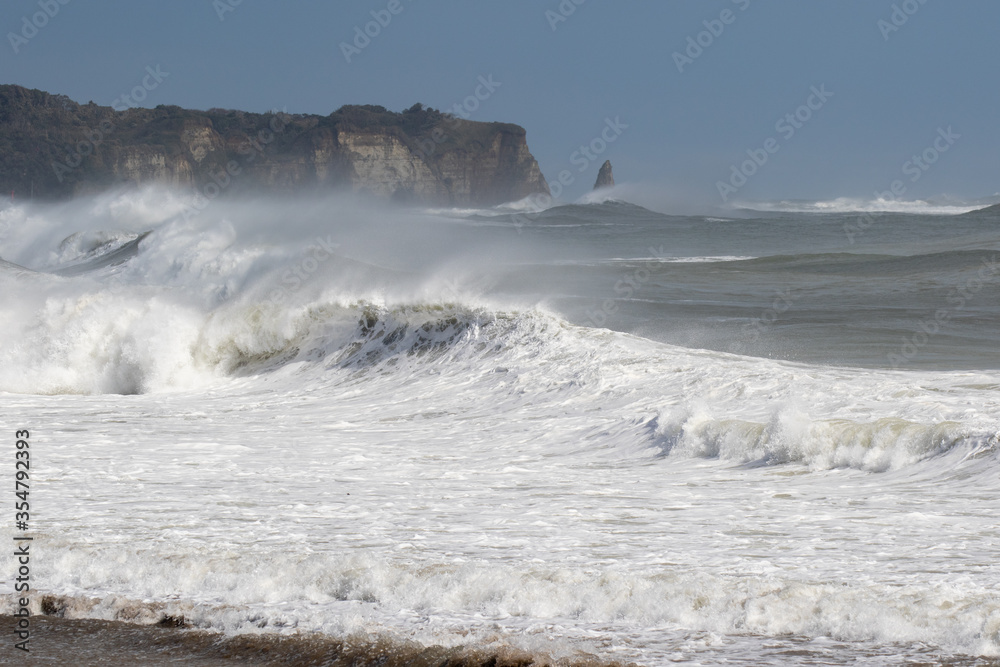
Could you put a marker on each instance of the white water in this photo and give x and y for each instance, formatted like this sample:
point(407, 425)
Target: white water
point(852, 205)
point(397, 455)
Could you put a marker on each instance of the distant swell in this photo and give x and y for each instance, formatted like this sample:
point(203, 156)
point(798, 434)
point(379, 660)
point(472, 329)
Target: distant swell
point(848, 205)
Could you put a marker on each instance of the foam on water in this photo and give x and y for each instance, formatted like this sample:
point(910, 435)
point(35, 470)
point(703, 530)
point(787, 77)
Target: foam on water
point(142, 341)
point(383, 450)
point(849, 205)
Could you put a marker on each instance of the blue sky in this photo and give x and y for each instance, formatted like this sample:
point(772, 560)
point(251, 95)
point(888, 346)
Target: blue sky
point(928, 66)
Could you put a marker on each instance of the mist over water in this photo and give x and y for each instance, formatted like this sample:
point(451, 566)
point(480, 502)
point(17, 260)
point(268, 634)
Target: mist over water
point(590, 429)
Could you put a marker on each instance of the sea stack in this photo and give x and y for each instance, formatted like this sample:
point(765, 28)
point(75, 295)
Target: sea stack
point(605, 178)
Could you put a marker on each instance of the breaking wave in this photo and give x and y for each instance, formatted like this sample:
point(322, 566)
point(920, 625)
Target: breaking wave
point(849, 205)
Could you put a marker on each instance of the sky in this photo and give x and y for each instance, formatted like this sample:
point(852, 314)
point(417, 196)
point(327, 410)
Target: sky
point(714, 102)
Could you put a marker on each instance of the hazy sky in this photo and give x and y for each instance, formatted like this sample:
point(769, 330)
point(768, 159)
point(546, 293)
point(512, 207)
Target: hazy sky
point(698, 84)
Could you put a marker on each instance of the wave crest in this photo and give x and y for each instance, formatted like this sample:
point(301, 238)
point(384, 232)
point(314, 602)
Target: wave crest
point(792, 437)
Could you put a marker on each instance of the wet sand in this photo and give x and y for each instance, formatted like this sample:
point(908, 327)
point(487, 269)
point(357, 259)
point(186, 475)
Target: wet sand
point(92, 643)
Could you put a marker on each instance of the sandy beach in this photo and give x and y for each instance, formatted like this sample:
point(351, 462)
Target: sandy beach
point(93, 643)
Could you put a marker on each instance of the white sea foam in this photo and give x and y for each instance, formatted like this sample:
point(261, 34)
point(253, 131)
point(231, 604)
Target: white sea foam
point(849, 205)
point(531, 204)
point(385, 450)
point(602, 196)
point(686, 260)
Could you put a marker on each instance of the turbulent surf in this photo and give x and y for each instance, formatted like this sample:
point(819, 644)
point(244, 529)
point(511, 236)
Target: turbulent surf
point(593, 433)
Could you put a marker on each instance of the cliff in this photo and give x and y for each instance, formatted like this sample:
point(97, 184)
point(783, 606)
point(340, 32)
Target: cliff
point(52, 147)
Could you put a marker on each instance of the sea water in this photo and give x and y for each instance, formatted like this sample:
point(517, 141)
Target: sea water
point(591, 431)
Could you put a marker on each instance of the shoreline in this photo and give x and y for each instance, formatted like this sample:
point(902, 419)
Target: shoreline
point(93, 643)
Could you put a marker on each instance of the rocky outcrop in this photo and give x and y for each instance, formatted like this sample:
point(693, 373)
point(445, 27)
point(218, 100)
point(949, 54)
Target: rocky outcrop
point(605, 178)
point(55, 147)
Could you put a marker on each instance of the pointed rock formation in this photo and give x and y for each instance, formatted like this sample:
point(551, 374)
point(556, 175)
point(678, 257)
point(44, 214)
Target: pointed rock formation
point(605, 179)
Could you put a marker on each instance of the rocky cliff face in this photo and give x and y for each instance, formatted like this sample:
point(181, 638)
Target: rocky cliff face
point(56, 148)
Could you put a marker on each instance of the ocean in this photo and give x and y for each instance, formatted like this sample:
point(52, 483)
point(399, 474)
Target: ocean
point(584, 434)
